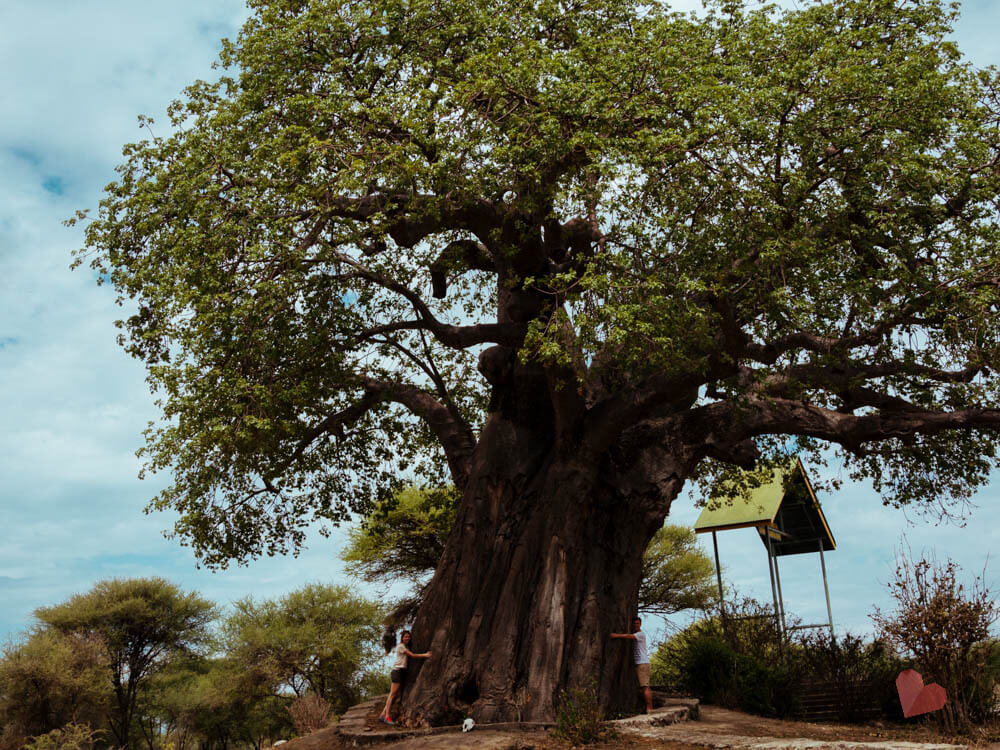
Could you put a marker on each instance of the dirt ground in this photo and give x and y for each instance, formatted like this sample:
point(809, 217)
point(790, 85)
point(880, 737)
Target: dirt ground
point(717, 727)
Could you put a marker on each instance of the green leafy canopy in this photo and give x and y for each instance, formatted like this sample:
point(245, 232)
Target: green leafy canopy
point(787, 220)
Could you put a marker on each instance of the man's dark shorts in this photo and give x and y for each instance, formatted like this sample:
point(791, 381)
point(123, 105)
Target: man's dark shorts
point(397, 675)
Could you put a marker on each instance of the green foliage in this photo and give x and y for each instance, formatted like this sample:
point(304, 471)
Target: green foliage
point(708, 666)
point(52, 679)
point(402, 540)
point(946, 629)
point(739, 664)
point(211, 703)
point(141, 623)
point(676, 574)
point(374, 682)
point(69, 737)
point(580, 719)
point(720, 675)
point(318, 639)
point(664, 662)
point(145, 641)
point(788, 215)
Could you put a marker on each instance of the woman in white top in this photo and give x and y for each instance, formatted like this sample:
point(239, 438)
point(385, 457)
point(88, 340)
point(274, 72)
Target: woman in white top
point(398, 673)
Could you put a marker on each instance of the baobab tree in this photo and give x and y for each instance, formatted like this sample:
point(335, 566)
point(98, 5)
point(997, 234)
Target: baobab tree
point(570, 255)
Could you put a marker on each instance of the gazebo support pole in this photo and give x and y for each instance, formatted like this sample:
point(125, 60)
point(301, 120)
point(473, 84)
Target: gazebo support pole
point(718, 577)
point(826, 588)
point(781, 597)
point(770, 569)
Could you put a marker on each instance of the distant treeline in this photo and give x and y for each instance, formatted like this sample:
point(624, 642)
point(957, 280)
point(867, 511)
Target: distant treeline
point(138, 663)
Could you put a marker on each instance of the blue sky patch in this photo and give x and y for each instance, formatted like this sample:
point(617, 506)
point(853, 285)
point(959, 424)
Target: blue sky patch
point(6, 341)
point(54, 184)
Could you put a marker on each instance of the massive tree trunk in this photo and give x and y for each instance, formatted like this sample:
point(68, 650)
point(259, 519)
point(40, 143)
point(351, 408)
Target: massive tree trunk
point(543, 563)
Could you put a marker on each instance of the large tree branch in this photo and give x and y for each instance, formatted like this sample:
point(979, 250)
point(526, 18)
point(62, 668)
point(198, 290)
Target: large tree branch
point(413, 217)
point(908, 313)
point(851, 382)
point(629, 406)
point(453, 433)
point(735, 423)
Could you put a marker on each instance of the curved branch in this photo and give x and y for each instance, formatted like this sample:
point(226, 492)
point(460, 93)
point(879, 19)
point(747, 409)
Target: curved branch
point(739, 422)
point(456, 337)
point(453, 433)
point(848, 382)
point(908, 313)
point(458, 254)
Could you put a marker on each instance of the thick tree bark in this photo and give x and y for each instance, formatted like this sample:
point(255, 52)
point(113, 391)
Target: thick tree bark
point(543, 563)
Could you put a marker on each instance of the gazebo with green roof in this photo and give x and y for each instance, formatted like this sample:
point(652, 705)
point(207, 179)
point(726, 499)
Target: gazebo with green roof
point(789, 520)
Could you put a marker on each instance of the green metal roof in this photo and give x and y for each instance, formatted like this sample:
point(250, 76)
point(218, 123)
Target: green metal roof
point(784, 506)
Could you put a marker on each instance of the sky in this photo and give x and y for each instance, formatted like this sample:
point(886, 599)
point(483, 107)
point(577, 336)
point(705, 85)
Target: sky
point(73, 405)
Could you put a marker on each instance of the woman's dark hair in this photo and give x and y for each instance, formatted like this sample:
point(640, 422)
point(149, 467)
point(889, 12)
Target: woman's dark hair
point(389, 640)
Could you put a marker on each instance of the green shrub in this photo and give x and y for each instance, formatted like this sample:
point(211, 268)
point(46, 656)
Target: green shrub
point(579, 719)
point(740, 662)
point(714, 672)
point(70, 737)
point(707, 665)
point(665, 662)
point(769, 690)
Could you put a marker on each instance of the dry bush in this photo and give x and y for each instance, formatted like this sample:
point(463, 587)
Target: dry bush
point(946, 628)
point(580, 720)
point(310, 713)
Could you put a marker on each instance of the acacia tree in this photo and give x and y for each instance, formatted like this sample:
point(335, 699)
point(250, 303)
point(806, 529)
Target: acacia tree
point(402, 540)
point(318, 639)
point(676, 574)
point(139, 623)
point(49, 680)
point(665, 244)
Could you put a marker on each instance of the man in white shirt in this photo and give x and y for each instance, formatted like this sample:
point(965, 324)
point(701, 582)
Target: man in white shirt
point(641, 659)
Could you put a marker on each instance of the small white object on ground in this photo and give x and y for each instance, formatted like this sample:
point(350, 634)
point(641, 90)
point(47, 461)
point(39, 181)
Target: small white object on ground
point(279, 742)
point(468, 724)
